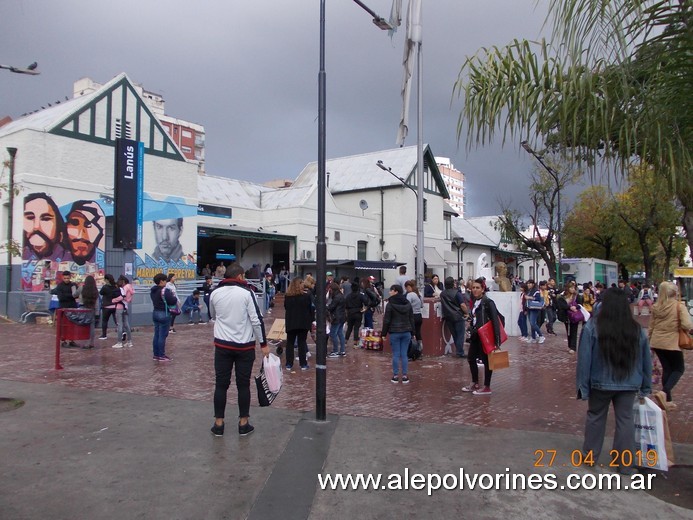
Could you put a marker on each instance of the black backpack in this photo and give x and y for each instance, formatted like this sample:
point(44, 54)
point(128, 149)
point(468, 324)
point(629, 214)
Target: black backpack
point(373, 298)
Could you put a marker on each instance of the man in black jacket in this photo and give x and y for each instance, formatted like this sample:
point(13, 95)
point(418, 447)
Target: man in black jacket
point(66, 291)
point(399, 323)
point(454, 306)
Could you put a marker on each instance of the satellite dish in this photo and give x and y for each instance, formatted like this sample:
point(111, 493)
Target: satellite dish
point(363, 204)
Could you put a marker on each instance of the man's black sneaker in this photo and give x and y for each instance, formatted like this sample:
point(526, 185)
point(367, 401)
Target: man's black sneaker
point(123, 337)
point(245, 429)
point(218, 430)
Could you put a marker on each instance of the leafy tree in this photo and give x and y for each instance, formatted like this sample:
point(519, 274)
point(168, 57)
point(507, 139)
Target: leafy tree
point(537, 231)
point(613, 85)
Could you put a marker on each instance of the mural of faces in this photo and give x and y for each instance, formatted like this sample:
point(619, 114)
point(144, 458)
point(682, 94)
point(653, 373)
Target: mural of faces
point(85, 230)
point(167, 233)
point(43, 227)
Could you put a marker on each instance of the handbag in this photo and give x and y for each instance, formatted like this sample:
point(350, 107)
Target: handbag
point(175, 310)
point(534, 305)
point(498, 359)
point(575, 316)
point(685, 340)
point(272, 367)
point(487, 337)
point(265, 396)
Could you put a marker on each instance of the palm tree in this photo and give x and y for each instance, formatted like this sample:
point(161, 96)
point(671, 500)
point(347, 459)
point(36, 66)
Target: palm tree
point(612, 85)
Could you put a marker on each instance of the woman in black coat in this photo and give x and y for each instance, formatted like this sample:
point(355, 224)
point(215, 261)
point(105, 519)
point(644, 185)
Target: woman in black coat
point(298, 306)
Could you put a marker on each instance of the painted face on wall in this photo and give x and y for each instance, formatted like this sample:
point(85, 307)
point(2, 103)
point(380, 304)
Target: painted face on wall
point(167, 234)
point(84, 230)
point(42, 225)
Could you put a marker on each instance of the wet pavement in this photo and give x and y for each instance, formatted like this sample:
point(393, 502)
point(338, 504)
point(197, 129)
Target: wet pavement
point(537, 393)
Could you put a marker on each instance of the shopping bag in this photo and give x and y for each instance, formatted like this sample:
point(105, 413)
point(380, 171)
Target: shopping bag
point(498, 359)
point(660, 399)
point(272, 367)
point(54, 304)
point(264, 396)
point(585, 313)
point(649, 431)
point(488, 340)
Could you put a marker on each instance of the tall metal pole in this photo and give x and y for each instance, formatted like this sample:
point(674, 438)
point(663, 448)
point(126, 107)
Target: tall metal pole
point(10, 220)
point(420, 172)
point(321, 252)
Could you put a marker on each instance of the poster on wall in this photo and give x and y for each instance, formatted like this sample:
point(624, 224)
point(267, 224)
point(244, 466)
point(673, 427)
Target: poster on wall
point(128, 185)
point(61, 238)
point(169, 243)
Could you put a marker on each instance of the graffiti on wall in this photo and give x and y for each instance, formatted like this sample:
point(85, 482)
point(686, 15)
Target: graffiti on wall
point(57, 239)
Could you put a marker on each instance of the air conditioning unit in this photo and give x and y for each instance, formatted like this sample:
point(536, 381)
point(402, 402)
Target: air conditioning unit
point(306, 254)
point(387, 255)
point(569, 268)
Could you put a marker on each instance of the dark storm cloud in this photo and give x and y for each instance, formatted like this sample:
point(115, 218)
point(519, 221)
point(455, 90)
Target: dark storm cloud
point(248, 71)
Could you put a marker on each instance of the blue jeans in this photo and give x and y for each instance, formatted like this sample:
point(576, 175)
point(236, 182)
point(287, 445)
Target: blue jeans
point(457, 331)
point(399, 344)
point(195, 311)
point(533, 318)
point(162, 322)
point(368, 318)
point(522, 323)
point(337, 334)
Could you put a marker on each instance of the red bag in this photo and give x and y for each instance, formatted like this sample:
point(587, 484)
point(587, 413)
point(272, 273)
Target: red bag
point(488, 339)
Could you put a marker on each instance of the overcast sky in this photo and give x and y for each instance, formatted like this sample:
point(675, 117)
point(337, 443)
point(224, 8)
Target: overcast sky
point(247, 71)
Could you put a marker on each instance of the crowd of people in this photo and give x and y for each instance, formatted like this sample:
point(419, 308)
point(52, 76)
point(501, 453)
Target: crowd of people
point(614, 353)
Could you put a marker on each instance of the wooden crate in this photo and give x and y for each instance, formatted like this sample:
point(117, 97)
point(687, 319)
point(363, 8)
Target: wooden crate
point(278, 331)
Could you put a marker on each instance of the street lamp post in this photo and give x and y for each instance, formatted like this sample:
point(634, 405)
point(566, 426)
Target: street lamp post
point(419, 221)
point(10, 221)
point(321, 248)
point(554, 175)
point(457, 242)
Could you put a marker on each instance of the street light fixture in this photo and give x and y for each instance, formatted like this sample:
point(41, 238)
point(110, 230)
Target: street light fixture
point(419, 225)
point(554, 174)
point(321, 247)
point(30, 69)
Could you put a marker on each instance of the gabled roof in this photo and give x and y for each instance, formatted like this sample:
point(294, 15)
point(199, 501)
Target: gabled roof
point(360, 172)
point(114, 109)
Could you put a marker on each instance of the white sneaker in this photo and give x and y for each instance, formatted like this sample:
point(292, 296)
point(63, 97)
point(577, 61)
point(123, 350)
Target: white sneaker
point(541, 339)
point(531, 341)
point(118, 345)
point(524, 339)
point(129, 344)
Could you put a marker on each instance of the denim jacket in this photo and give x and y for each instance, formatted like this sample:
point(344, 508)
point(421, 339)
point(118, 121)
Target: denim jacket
point(592, 372)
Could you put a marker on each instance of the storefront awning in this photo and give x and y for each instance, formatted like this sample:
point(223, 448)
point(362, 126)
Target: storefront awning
point(355, 264)
point(433, 258)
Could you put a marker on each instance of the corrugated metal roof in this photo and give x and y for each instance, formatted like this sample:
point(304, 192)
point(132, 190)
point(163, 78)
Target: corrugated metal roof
point(241, 194)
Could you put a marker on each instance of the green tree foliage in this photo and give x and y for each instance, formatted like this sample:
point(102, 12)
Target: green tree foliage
point(613, 84)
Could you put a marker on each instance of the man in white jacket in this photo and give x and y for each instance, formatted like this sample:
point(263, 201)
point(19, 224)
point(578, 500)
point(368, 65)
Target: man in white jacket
point(238, 324)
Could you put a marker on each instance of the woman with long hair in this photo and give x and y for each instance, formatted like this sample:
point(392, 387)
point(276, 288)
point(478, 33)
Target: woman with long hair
point(613, 364)
point(298, 307)
point(111, 299)
point(569, 313)
point(414, 297)
point(336, 310)
point(483, 309)
point(398, 322)
point(523, 314)
point(356, 304)
point(668, 316)
point(89, 296)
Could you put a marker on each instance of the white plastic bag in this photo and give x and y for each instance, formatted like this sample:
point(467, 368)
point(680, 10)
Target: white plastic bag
point(649, 431)
point(585, 313)
point(272, 366)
